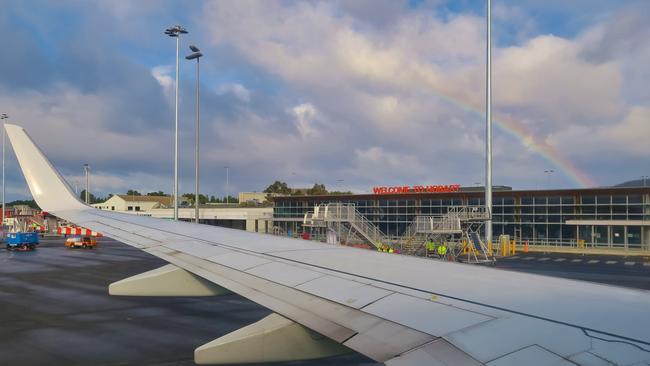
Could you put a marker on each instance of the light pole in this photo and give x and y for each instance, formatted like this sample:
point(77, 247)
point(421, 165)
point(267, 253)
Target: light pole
point(87, 172)
point(3, 199)
point(175, 32)
point(4, 134)
point(548, 177)
point(196, 54)
point(227, 183)
point(488, 124)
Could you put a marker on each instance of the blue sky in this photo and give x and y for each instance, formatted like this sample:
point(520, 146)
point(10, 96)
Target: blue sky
point(323, 91)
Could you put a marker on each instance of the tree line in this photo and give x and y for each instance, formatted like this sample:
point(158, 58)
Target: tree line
point(203, 199)
point(318, 189)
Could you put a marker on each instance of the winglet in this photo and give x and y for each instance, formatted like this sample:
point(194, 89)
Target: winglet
point(48, 188)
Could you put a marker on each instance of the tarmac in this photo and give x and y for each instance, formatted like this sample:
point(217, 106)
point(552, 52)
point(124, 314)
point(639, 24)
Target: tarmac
point(55, 308)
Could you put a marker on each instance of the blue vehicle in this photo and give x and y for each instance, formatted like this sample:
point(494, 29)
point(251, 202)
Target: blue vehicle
point(21, 241)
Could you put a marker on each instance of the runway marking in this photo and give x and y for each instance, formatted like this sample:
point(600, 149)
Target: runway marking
point(646, 264)
point(529, 258)
point(560, 260)
point(576, 260)
point(593, 261)
point(630, 263)
point(544, 259)
point(514, 257)
point(611, 262)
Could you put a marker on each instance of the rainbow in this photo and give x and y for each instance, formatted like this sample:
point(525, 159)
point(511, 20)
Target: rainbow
point(527, 138)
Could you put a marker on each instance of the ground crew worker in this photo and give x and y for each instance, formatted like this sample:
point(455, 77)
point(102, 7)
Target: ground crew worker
point(431, 247)
point(442, 250)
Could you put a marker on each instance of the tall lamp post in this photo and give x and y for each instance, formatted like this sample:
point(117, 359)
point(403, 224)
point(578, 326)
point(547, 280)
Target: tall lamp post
point(3, 117)
point(227, 184)
point(3, 197)
point(87, 173)
point(175, 32)
point(196, 54)
point(488, 124)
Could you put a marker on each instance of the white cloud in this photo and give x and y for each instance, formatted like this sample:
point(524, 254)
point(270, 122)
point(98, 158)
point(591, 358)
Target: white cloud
point(410, 85)
point(164, 77)
point(628, 137)
point(237, 90)
point(304, 115)
point(547, 77)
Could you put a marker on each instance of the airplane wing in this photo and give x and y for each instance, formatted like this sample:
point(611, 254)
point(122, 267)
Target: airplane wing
point(328, 299)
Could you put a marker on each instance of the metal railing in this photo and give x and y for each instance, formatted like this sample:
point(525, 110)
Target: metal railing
point(348, 213)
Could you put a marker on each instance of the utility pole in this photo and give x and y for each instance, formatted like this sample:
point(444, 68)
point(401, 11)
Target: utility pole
point(488, 125)
point(87, 172)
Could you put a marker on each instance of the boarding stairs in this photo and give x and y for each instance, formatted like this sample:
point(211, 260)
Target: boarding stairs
point(458, 229)
point(347, 222)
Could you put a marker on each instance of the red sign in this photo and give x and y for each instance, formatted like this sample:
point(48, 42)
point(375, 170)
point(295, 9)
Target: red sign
point(445, 188)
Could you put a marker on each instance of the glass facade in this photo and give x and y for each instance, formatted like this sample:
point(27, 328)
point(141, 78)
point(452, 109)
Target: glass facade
point(610, 217)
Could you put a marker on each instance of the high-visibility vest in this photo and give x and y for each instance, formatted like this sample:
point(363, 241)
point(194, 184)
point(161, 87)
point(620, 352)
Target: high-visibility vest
point(390, 250)
point(442, 250)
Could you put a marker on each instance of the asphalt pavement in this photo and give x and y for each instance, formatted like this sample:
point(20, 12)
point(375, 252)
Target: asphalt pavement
point(55, 308)
point(633, 271)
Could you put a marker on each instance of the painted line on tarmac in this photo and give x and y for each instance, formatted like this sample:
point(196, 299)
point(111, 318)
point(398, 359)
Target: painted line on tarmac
point(576, 260)
point(630, 263)
point(611, 262)
point(544, 259)
point(529, 258)
point(514, 257)
point(646, 264)
point(593, 261)
point(560, 260)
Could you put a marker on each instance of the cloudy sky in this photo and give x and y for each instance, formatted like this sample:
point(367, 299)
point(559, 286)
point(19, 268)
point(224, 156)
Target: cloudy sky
point(351, 94)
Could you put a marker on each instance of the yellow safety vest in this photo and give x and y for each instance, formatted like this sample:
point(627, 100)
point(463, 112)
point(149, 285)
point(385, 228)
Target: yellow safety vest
point(442, 250)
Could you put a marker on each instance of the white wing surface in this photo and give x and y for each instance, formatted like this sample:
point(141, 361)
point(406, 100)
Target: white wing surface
point(328, 299)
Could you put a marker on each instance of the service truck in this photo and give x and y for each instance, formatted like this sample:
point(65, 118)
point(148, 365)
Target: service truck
point(22, 241)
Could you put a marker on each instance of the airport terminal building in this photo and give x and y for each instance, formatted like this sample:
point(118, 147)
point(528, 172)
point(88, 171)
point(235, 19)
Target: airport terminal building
point(617, 218)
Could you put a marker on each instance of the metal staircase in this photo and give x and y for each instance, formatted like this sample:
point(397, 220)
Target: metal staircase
point(440, 228)
point(346, 221)
point(456, 228)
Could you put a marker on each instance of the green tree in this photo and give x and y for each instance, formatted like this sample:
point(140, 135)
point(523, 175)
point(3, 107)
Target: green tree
point(91, 197)
point(132, 192)
point(230, 199)
point(278, 187)
point(203, 199)
point(157, 193)
point(317, 190)
point(340, 192)
point(30, 203)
